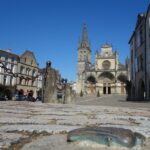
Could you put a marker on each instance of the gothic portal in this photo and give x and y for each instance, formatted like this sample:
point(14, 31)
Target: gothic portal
point(107, 75)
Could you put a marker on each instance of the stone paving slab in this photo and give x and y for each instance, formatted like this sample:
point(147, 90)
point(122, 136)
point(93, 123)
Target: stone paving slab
point(18, 120)
point(58, 142)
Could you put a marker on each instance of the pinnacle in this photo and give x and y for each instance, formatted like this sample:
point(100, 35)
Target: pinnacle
point(84, 43)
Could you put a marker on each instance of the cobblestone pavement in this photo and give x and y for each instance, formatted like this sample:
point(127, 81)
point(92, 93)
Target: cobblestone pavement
point(112, 100)
point(36, 126)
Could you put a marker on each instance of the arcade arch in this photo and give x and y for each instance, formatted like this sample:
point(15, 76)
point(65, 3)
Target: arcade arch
point(123, 79)
point(106, 78)
point(90, 85)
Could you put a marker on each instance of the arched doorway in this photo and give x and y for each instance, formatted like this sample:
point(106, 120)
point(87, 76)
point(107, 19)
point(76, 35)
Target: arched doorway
point(8, 93)
point(106, 78)
point(123, 79)
point(5, 92)
point(141, 90)
point(91, 85)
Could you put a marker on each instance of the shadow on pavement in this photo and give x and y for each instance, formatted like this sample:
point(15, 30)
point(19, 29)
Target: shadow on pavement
point(135, 101)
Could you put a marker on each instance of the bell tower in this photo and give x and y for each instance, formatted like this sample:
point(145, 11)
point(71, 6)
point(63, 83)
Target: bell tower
point(84, 59)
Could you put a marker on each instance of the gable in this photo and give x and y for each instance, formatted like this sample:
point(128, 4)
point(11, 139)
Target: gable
point(28, 58)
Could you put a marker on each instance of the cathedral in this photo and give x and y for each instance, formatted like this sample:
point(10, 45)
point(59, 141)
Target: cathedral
point(105, 76)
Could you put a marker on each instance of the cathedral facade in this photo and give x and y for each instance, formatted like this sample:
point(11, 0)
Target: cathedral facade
point(105, 76)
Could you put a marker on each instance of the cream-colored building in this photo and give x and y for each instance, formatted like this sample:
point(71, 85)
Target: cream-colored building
point(7, 80)
point(27, 74)
point(106, 76)
point(18, 74)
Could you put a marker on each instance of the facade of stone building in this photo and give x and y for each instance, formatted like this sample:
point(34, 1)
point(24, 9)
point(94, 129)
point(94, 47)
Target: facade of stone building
point(8, 81)
point(25, 68)
point(27, 74)
point(106, 76)
point(148, 51)
point(140, 57)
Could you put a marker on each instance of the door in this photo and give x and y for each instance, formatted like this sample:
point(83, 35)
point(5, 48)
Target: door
point(104, 90)
point(109, 90)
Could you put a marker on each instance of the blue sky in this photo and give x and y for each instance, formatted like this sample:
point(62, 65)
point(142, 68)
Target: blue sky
point(52, 28)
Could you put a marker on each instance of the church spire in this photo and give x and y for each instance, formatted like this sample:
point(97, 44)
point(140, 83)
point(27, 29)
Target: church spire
point(84, 42)
point(84, 34)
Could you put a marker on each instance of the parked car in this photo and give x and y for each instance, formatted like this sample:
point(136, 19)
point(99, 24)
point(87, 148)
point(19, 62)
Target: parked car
point(31, 98)
point(20, 97)
point(3, 98)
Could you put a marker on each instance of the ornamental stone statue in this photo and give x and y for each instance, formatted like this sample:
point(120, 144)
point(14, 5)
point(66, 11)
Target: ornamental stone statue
point(55, 88)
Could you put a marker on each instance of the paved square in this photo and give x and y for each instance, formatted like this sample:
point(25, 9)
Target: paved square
point(26, 125)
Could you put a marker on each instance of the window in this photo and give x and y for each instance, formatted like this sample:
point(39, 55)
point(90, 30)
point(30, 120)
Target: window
point(34, 73)
point(22, 70)
point(136, 64)
point(4, 81)
point(12, 67)
point(21, 81)
point(149, 25)
point(141, 37)
point(140, 62)
point(28, 71)
point(12, 59)
point(141, 59)
point(6, 61)
point(106, 64)
point(138, 39)
point(11, 80)
point(132, 55)
point(26, 82)
point(33, 82)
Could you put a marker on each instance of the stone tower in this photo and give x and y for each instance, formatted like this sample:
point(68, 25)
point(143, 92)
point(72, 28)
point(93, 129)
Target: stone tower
point(84, 59)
